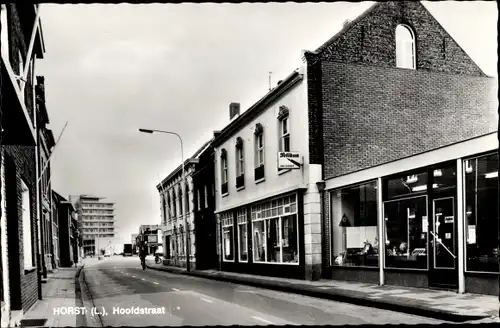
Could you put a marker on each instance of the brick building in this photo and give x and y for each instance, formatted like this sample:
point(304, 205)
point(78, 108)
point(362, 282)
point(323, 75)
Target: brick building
point(177, 201)
point(204, 208)
point(45, 143)
point(20, 249)
point(404, 125)
point(65, 215)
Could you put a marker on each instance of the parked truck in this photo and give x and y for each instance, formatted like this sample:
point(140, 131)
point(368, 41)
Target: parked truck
point(127, 250)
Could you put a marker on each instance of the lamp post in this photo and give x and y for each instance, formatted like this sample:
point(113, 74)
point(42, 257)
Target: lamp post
point(151, 131)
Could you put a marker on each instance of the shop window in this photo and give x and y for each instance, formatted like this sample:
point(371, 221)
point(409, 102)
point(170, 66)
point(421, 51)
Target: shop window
point(355, 239)
point(481, 213)
point(410, 184)
point(275, 233)
point(228, 236)
point(405, 47)
point(242, 235)
point(406, 224)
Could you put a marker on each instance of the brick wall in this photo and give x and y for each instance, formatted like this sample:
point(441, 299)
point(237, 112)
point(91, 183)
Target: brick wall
point(19, 41)
point(24, 161)
point(374, 120)
point(370, 40)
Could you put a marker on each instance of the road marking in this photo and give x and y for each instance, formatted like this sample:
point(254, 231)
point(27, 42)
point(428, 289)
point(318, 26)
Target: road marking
point(133, 276)
point(143, 279)
point(263, 320)
point(206, 300)
point(154, 282)
point(175, 289)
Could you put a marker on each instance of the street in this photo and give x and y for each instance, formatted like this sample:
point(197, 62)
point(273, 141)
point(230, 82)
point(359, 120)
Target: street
point(120, 283)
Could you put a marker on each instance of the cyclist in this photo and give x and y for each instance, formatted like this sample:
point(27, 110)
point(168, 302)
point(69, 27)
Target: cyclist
point(142, 256)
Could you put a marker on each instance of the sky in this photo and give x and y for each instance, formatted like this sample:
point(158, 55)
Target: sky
point(111, 69)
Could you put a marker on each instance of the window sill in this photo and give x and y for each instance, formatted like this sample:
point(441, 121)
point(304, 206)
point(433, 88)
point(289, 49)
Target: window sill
point(240, 188)
point(354, 267)
point(283, 171)
point(260, 180)
point(28, 270)
point(225, 195)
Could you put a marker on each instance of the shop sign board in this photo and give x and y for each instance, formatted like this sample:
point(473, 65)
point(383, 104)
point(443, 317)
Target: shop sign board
point(289, 160)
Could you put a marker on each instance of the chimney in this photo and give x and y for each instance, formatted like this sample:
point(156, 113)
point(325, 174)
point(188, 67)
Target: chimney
point(234, 109)
point(279, 82)
point(346, 22)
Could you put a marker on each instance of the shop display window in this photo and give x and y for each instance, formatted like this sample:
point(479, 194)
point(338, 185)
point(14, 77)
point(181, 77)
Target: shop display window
point(406, 233)
point(228, 236)
point(242, 235)
point(274, 231)
point(481, 213)
point(355, 239)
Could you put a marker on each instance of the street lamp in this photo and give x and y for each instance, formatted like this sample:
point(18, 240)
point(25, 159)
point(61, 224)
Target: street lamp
point(151, 131)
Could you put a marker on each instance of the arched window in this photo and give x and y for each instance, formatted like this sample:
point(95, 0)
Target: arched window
point(405, 47)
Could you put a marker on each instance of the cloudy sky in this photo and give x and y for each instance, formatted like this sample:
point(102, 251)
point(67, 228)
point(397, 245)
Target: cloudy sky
point(111, 69)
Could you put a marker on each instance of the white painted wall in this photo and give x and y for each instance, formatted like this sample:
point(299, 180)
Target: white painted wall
point(296, 101)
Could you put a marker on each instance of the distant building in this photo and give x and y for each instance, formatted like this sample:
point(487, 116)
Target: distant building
point(151, 234)
point(68, 231)
point(96, 222)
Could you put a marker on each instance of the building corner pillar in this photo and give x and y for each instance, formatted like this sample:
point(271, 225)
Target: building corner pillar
point(313, 226)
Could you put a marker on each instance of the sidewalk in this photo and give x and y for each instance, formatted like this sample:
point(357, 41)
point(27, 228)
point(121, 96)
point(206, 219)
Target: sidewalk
point(437, 304)
point(60, 292)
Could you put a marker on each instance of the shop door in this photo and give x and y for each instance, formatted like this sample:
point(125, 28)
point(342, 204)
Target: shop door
point(443, 244)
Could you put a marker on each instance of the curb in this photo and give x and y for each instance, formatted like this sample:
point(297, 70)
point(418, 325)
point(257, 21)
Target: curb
point(338, 296)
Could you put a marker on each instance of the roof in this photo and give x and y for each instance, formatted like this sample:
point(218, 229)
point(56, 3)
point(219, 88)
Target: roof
point(347, 27)
point(256, 108)
point(58, 196)
point(192, 159)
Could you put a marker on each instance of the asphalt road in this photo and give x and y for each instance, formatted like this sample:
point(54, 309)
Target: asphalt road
point(120, 283)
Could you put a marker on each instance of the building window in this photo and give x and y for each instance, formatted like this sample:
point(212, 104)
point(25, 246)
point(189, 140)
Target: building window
point(240, 164)
point(164, 208)
point(174, 204)
point(284, 135)
point(198, 199)
point(27, 235)
point(405, 47)
point(228, 236)
point(406, 221)
point(259, 153)
point(180, 201)
point(223, 166)
point(275, 232)
point(481, 213)
point(186, 195)
point(206, 195)
point(242, 235)
point(355, 239)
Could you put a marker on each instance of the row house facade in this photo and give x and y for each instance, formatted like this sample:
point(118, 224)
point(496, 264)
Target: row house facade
point(268, 218)
point(182, 216)
point(393, 130)
point(21, 44)
point(46, 143)
point(404, 124)
point(204, 209)
point(69, 241)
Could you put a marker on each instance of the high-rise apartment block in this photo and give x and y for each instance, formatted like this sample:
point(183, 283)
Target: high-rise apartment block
point(96, 221)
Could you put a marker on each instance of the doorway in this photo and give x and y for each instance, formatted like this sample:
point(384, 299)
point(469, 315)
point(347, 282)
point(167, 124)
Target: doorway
point(443, 229)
